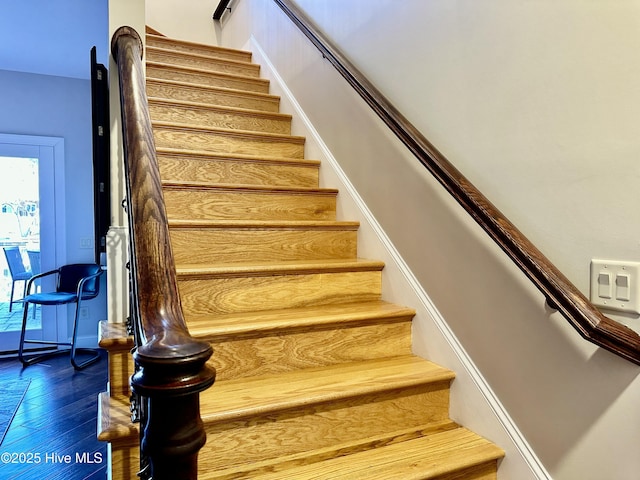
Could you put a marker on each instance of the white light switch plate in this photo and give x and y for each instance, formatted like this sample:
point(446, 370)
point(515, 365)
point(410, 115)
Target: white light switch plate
point(615, 284)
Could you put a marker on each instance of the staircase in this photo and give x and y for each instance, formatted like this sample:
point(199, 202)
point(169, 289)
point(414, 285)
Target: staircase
point(315, 373)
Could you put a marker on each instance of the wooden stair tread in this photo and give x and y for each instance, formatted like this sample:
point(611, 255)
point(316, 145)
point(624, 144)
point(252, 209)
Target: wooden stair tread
point(266, 224)
point(220, 108)
point(259, 323)
point(185, 127)
point(207, 155)
point(247, 188)
point(279, 268)
point(114, 418)
point(428, 457)
point(113, 336)
point(235, 399)
point(285, 462)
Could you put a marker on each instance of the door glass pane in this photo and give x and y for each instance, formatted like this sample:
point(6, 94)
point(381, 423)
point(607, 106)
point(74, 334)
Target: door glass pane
point(20, 237)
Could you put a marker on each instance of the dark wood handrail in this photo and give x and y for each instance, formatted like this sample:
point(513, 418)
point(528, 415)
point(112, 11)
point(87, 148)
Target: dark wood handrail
point(560, 293)
point(171, 364)
point(222, 6)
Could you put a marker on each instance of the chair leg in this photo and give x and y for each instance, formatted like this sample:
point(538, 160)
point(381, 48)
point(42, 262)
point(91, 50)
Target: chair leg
point(94, 354)
point(13, 286)
point(23, 331)
point(26, 361)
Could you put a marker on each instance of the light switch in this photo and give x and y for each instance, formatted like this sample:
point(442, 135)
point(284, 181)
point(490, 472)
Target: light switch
point(615, 285)
point(604, 285)
point(623, 288)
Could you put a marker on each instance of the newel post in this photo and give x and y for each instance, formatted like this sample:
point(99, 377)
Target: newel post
point(171, 430)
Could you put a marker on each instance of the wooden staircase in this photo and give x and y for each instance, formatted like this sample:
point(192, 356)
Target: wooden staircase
point(316, 378)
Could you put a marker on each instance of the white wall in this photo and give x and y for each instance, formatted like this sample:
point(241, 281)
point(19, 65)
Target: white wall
point(537, 103)
point(509, 91)
point(43, 105)
point(188, 20)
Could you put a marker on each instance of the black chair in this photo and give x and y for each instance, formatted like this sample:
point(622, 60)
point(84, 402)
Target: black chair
point(76, 283)
point(17, 270)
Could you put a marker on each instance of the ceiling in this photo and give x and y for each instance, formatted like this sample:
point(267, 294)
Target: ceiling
point(53, 37)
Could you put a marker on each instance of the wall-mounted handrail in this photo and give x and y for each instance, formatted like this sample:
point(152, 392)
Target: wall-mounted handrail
point(219, 11)
point(560, 293)
point(171, 365)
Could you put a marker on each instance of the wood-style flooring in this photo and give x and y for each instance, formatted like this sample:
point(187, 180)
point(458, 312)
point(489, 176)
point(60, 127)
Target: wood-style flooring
point(55, 427)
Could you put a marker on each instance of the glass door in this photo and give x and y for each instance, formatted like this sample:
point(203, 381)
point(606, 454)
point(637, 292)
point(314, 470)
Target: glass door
point(20, 255)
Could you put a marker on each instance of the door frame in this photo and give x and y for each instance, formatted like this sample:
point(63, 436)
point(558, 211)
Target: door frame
point(51, 176)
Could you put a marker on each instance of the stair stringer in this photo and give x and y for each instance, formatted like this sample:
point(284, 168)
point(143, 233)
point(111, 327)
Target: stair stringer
point(473, 402)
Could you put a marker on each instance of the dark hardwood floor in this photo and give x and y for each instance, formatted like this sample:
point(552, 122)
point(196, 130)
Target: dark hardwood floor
point(56, 423)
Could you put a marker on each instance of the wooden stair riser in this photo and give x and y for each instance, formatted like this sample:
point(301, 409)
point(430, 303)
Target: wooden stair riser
point(120, 369)
point(245, 294)
point(113, 338)
point(202, 62)
point(321, 425)
point(198, 49)
point(203, 77)
point(240, 171)
point(219, 117)
point(212, 96)
point(228, 245)
point(115, 427)
point(227, 204)
point(247, 356)
point(125, 460)
point(228, 141)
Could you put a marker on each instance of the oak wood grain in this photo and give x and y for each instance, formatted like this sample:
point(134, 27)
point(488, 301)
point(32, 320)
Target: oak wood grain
point(215, 294)
point(284, 463)
point(238, 202)
point(316, 408)
point(429, 457)
point(226, 242)
point(243, 357)
point(174, 111)
point(170, 444)
point(221, 140)
point(113, 337)
point(200, 76)
point(212, 95)
point(203, 62)
point(184, 166)
point(177, 45)
point(313, 365)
